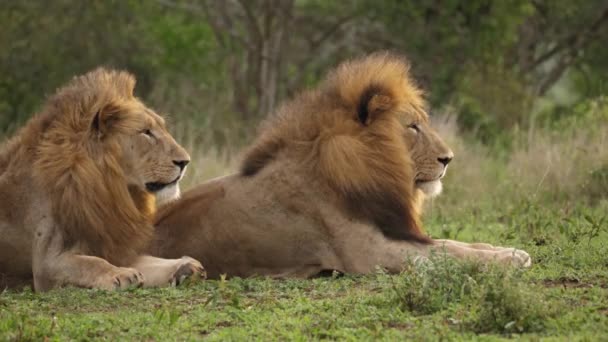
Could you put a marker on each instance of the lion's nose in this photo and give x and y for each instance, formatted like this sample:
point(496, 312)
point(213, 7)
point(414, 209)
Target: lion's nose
point(445, 160)
point(181, 163)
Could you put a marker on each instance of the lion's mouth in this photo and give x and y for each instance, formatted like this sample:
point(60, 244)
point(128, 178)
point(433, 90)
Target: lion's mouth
point(424, 181)
point(420, 181)
point(431, 187)
point(158, 186)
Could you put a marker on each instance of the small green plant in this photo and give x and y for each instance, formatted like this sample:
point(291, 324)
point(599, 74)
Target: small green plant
point(583, 227)
point(502, 303)
point(492, 295)
point(170, 316)
point(431, 285)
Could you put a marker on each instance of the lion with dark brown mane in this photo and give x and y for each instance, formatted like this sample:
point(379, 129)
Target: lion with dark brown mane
point(334, 181)
point(78, 186)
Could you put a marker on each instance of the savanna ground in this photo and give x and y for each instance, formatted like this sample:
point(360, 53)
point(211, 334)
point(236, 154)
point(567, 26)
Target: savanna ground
point(543, 190)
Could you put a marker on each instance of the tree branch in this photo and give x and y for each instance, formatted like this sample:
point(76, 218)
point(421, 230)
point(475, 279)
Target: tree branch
point(573, 42)
point(316, 45)
point(253, 23)
point(333, 29)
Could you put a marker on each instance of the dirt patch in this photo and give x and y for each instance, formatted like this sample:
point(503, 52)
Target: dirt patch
point(400, 325)
point(573, 283)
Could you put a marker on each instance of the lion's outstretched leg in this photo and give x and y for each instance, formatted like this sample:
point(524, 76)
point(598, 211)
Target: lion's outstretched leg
point(83, 271)
point(165, 272)
point(483, 252)
point(54, 266)
point(474, 245)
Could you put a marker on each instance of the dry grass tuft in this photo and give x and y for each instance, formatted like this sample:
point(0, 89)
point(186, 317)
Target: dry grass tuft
point(559, 163)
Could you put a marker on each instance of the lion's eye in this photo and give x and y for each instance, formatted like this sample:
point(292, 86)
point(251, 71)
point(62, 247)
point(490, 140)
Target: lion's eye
point(414, 127)
point(148, 133)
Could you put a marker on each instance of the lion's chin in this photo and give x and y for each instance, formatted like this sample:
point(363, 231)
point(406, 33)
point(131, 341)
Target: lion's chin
point(168, 194)
point(431, 188)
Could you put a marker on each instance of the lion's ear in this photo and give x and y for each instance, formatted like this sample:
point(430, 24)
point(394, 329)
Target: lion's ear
point(373, 102)
point(103, 120)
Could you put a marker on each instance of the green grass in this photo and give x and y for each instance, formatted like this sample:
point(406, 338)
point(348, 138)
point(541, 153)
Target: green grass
point(563, 296)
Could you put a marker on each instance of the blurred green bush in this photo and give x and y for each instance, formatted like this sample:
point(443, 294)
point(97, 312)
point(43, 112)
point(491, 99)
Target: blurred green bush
point(221, 66)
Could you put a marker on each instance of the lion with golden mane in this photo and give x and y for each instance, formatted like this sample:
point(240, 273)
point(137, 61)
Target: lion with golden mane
point(78, 185)
point(334, 182)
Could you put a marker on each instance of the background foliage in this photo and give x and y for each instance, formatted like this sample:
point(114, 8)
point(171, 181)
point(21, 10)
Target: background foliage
point(226, 64)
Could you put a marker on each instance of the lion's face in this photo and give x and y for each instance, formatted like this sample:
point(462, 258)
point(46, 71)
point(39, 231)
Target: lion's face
point(430, 155)
point(153, 160)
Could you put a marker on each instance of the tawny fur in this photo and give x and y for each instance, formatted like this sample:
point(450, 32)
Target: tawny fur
point(365, 162)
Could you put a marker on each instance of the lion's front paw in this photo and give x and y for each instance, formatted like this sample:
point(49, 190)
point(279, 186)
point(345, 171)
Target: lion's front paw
point(187, 267)
point(120, 278)
point(515, 257)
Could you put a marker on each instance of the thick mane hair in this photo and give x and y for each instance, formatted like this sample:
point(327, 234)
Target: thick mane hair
point(77, 162)
point(349, 132)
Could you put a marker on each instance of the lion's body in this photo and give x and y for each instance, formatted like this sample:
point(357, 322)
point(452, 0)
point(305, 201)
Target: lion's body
point(296, 231)
point(334, 181)
point(71, 209)
point(21, 205)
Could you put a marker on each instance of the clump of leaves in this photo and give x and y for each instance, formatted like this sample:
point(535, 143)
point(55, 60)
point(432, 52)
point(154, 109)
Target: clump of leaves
point(494, 297)
point(584, 227)
point(501, 302)
point(428, 285)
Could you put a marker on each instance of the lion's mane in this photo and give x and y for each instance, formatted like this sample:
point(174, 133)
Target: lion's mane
point(79, 167)
point(352, 138)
